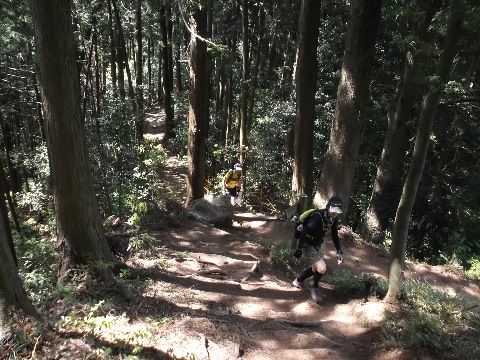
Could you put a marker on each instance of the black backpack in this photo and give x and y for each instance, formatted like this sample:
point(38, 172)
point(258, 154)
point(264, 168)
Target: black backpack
point(301, 221)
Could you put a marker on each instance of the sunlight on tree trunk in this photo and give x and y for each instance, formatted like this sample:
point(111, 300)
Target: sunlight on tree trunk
point(352, 95)
point(305, 85)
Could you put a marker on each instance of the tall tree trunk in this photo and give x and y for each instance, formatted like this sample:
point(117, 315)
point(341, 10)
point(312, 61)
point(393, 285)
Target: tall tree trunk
point(256, 65)
point(120, 67)
point(197, 110)
point(178, 72)
point(38, 99)
point(86, 91)
point(98, 90)
point(388, 182)
point(4, 221)
point(123, 59)
point(113, 49)
point(7, 136)
point(80, 231)
point(150, 51)
point(5, 188)
point(306, 70)
point(243, 102)
point(167, 90)
point(139, 73)
point(12, 292)
point(352, 96)
point(429, 107)
point(169, 27)
point(159, 77)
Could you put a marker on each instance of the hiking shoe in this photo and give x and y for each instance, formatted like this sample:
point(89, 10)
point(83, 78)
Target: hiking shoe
point(316, 294)
point(300, 285)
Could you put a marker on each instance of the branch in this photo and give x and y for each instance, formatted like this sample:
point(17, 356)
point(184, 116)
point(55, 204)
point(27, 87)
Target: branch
point(465, 309)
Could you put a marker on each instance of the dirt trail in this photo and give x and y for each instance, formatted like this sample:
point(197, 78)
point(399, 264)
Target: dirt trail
point(229, 299)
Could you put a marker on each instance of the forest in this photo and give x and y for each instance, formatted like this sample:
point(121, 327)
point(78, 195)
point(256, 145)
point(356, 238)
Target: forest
point(375, 101)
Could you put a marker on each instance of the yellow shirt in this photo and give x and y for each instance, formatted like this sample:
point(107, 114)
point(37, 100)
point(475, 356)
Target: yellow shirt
point(232, 178)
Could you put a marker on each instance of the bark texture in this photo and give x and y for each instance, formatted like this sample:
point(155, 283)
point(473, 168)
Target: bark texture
point(305, 85)
point(352, 96)
point(422, 140)
point(387, 187)
point(79, 228)
point(198, 99)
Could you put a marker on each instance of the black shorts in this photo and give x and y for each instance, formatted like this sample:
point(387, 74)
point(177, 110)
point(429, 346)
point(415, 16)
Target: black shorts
point(232, 191)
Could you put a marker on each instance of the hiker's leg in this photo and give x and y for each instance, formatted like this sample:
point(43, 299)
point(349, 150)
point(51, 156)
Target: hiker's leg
point(306, 274)
point(319, 267)
point(233, 193)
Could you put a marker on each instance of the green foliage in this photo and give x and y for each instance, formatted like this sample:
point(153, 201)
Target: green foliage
point(141, 241)
point(68, 292)
point(431, 319)
point(126, 174)
point(473, 269)
point(178, 144)
point(38, 262)
point(35, 202)
point(269, 169)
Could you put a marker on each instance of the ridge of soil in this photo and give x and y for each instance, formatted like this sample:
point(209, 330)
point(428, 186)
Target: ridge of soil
point(200, 292)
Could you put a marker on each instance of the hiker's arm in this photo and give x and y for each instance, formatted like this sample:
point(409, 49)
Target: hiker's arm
point(336, 241)
point(335, 238)
point(303, 237)
point(225, 179)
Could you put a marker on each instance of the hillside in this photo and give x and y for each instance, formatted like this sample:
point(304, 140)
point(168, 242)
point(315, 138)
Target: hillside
point(198, 292)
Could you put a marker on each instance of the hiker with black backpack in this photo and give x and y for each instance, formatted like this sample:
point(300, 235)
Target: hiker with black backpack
point(232, 183)
point(316, 223)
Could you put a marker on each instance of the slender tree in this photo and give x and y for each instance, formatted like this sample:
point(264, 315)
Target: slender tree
point(122, 58)
point(244, 93)
point(388, 182)
point(352, 95)
point(305, 84)
point(166, 73)
point(429, 107)
point(80, 231)
point(139, 72)
point(113, 48)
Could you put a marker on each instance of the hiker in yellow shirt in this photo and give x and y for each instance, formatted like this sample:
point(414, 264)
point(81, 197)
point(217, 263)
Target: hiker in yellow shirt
point(232, 182)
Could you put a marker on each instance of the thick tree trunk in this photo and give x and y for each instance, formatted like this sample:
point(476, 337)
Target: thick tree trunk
point(306, 70)
point(198, 99)
point(388, 182)
point(79, 227)
point(429, 107)
point(352, 96)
